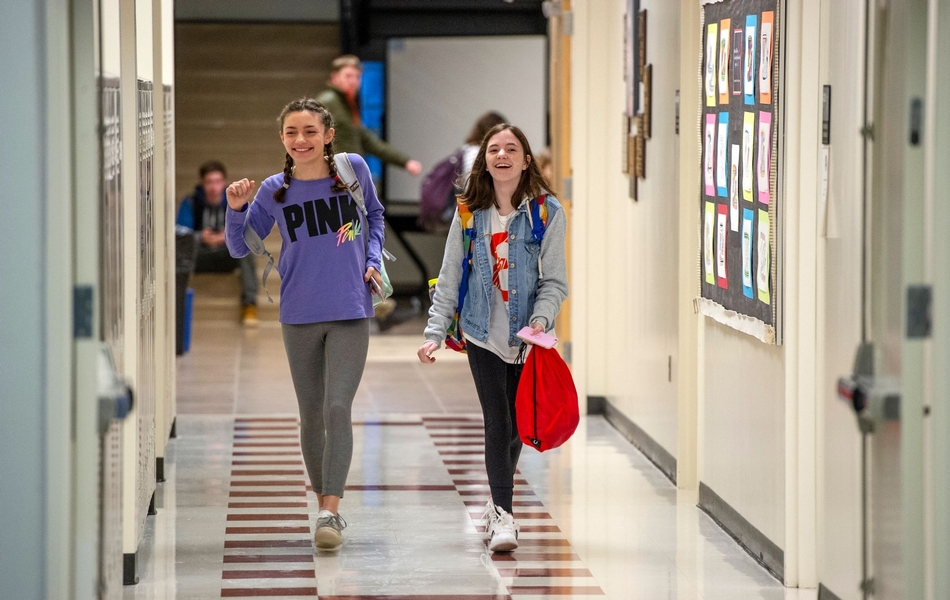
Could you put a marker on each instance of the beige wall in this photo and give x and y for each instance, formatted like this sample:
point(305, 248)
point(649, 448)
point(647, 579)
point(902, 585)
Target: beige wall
point(744, 426)
point(628, 249)
point(231, 82)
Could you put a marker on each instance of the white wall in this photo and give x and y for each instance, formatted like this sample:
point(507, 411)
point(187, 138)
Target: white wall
point(627, 249)
point(438, 87)
point(744, 427)
point(840, 540)
point(642, 362)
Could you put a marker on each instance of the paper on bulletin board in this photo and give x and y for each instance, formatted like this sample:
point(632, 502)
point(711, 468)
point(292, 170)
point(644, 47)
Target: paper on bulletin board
point(747, 233)
point(765, 59)
point(725, 33)
point(764, 160)
point(708, 228)
point(711, 40)
point(709, 150)
point(722, 159)
point(748, 147)
point(762, 252)
point(734, 188)
point(749, 63)
point(737, 37)
point(722, 274)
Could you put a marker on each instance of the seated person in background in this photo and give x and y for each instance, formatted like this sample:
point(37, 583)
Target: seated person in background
point(204, 212)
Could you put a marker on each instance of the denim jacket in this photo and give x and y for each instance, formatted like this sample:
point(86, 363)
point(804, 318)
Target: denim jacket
point(537, 276)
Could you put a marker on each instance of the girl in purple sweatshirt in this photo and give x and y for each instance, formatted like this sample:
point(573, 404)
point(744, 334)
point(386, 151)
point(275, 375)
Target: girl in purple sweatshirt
point(325, 292)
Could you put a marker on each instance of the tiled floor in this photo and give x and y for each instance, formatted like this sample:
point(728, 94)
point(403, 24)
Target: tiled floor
point(235, 515)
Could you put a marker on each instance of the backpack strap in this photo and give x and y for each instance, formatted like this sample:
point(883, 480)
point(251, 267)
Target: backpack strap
point(538, 209)
point(467, 219)
point(347, 173)
point(538, 214)
point(256, 245)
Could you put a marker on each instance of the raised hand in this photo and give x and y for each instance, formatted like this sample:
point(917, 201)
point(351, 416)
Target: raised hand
point(239, 193)
point(414, 167)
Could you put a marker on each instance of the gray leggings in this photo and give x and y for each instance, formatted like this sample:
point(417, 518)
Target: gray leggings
point(326, 364)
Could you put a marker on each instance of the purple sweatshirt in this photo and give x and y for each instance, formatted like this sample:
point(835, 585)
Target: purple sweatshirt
point(323, 254)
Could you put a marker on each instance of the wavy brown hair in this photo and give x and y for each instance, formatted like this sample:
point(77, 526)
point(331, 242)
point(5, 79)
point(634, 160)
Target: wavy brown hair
point(479, 192)
point(483, 125)
point(320, 111)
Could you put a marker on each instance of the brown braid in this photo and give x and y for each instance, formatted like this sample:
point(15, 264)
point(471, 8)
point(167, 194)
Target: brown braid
point(338, 185)
point(288, 171)
point(312, 106)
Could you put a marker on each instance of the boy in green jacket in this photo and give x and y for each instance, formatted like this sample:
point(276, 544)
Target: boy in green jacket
point(346, 74)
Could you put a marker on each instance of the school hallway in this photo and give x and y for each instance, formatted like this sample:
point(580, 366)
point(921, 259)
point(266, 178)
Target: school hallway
point(235, 514)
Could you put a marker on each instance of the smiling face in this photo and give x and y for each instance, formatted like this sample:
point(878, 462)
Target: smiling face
point(304, 136)
point(505, 157)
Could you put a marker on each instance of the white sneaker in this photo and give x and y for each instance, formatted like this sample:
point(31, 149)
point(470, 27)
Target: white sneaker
point(329, 531)
point(502, 528)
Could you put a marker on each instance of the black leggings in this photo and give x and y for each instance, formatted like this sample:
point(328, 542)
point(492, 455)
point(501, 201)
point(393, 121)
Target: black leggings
point(497, 384)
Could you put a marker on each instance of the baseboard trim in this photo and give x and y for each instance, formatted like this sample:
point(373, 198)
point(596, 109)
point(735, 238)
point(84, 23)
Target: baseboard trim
point(655, 453)
point(753, 541)
point(595, 405)
point(130, 574)
point(826, 594)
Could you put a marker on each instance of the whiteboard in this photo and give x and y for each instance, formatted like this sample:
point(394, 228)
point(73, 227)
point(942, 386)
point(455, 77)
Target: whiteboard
point(438, 87)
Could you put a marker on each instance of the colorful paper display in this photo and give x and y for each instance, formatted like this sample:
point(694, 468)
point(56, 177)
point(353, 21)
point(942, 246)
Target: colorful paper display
point(739, 191)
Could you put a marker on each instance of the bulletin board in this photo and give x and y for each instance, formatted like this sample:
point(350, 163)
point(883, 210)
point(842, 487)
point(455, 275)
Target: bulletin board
point(739, 216)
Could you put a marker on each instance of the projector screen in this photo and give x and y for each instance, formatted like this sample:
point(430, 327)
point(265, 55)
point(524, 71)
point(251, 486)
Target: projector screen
point(438, 87)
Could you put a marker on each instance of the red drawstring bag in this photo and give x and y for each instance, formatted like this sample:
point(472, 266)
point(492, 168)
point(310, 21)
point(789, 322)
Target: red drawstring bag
point(546, 404)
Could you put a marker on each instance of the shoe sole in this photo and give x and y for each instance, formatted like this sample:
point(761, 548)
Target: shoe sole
point(503, 545)
point(328, 539)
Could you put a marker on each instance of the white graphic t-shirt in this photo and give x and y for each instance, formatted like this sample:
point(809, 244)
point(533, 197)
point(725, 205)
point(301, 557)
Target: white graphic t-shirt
point(498, 327)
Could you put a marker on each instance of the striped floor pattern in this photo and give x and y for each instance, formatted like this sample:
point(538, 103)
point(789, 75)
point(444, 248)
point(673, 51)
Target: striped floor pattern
point(268, 549)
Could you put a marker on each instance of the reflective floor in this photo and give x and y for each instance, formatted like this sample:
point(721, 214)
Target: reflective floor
point(235, 515)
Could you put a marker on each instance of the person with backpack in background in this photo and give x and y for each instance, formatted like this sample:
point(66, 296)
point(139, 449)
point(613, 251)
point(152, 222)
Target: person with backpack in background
point(447, 178)
point(504, 268)
point(328, 270)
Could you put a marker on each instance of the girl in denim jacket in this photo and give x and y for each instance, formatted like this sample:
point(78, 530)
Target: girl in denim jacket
point(515, 280)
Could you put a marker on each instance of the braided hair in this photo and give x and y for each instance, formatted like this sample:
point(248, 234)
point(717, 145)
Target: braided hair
point(312, 106)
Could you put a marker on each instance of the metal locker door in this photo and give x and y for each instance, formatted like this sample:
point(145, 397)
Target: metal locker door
point(146, 384)
point(112, 319)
